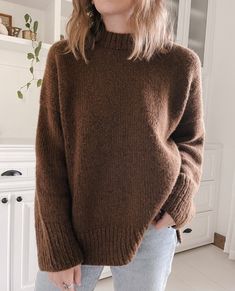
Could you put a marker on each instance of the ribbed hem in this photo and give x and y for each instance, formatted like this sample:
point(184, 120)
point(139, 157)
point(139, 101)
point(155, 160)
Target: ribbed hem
point(111, 245)
point(57, 246)
point(180, 202)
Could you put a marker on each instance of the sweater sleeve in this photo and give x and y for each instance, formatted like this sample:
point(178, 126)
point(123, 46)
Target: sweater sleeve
point(57, 246)
point(189, 137)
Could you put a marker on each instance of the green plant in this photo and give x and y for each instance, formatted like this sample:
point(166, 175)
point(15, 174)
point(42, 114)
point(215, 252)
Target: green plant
point(33, 56)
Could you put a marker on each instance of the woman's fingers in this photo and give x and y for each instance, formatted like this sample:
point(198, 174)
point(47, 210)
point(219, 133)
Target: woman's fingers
point(64, 276)
point(62, 286)
point(77, 275)
point(67, 277)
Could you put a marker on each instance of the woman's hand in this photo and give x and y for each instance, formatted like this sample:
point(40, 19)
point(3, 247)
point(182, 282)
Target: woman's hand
point(165, 221)
point(69, 276)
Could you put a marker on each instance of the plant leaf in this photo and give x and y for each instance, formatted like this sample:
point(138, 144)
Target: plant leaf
point(30, 56)
point(20, 95)
point(26, 17)
point(27, 25)
point(37, 50)
point(31, 70)
point(39, 82)
point(35, 26)
point(37, 59)
point(28, 84)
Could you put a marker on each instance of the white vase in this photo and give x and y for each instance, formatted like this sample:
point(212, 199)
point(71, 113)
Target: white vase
point(3, 29)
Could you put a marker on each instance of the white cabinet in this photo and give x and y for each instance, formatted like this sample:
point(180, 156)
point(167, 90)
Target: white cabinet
point(5, 241)
point(18, 265)
point(23, 242)
point(204, 199)
point(201, 229)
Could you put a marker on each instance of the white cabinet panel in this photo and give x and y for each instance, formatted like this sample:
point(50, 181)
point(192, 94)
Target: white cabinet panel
point(5, 213)
point(210, 165)
point(20, 169)
point(198, 27)
point(17, 161)
point(202, 231)
point(205, 198)
point(24, 256)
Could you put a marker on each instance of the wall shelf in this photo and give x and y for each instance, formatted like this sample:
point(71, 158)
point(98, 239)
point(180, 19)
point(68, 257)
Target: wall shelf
point(19, 44)
point(47, 13)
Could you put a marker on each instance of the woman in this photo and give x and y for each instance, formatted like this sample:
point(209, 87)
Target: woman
point(119, 148)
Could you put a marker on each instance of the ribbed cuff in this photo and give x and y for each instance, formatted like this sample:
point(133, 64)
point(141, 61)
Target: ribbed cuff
point(180, 203)
point(57, 246)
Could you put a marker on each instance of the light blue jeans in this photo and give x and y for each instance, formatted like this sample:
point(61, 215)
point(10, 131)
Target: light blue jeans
point(148, 270)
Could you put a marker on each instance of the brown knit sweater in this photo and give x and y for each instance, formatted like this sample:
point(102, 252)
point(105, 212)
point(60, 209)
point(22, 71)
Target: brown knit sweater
point(117, 140)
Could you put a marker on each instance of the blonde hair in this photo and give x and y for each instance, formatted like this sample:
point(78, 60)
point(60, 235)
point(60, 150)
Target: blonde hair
point(150, 23)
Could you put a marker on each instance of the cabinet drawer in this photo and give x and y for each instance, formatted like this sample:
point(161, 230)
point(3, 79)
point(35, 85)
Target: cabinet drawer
point(24, 169)
point(206, 196)
point(202, 226)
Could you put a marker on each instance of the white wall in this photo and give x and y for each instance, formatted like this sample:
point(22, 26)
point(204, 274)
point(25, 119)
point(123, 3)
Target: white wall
point(221, 110)
point(17, 117)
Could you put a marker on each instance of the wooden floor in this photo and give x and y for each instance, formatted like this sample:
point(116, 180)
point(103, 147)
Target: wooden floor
point(205, 268)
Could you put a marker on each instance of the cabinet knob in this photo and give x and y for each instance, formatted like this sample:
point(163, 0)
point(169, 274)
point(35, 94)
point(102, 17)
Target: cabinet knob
point(4, 200)
point(19, 198)
point(188, 230)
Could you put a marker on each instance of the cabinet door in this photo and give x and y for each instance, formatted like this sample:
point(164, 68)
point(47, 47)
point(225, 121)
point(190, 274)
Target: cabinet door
point(23, 256)
point(193, 27)
point(5, 241)
point(179, 16)
point(198, 27)
point(198, 232)
point(173, 8)
point(205, 198)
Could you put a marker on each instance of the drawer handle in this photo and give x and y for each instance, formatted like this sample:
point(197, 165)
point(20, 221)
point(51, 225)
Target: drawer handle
point(188, 230)
point(4, 200)
point(11, 173)
point(19, 198)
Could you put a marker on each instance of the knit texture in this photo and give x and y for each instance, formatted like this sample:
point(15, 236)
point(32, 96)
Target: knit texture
point(117, 140)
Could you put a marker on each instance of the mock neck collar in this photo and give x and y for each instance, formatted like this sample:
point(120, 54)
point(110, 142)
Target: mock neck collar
point(115, 40)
